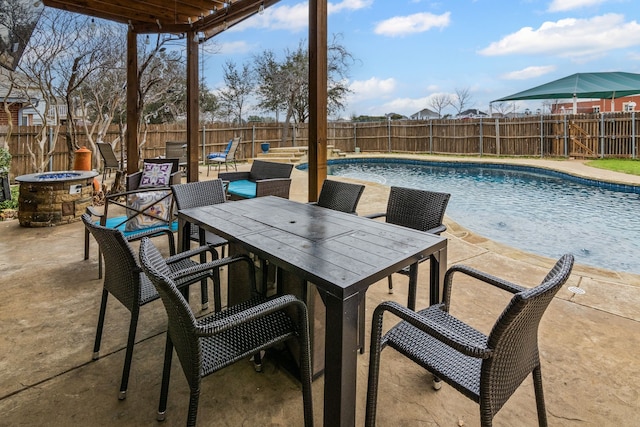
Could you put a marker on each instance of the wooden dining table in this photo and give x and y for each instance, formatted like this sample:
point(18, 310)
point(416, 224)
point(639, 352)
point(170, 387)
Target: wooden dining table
point(341, 254)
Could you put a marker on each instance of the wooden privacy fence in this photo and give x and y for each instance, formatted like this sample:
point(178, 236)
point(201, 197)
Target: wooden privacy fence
point(581, 136)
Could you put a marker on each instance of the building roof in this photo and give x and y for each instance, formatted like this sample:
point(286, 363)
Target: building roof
point(583, 85)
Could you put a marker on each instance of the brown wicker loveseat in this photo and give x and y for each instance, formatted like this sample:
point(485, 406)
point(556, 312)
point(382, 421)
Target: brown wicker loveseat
point(264, 179)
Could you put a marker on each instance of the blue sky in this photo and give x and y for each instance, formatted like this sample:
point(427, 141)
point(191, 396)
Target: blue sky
point(410, 50)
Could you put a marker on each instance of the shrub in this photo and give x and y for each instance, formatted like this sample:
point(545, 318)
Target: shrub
point(5, 160)
point(13, 203)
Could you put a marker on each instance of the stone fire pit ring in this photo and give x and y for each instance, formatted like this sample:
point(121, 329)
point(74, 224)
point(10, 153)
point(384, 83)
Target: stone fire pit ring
point(54, 198)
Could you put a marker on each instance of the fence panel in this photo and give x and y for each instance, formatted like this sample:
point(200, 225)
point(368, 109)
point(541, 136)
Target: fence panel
point(582, 136)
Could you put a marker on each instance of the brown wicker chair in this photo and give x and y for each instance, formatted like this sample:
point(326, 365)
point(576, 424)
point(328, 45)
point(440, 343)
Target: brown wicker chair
point(125, 280)
point(210, 343)
point(486, 369)
point(339, 196)
point(202, 193)
point(158, 199)
point(418, 209)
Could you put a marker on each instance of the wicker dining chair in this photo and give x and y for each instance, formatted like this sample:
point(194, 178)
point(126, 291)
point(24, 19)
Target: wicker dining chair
point(125, 280)
point(196, 194)
point(486, 369)
point(339, 196)
point(210, 343)
point(418, 209)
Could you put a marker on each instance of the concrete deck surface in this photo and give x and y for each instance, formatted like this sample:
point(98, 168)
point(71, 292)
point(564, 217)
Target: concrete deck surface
point(49, 301)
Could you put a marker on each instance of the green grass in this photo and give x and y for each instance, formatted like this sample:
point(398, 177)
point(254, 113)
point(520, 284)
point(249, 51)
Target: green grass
point(629, 166)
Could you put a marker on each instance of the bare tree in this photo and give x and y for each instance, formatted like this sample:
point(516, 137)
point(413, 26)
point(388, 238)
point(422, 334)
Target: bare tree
point(503, 107)
point(461, 100)
point(439, 102)
point(238, 87)
point(284, 85)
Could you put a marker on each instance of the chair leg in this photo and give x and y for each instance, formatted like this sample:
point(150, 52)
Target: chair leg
point(413, 286)
point(86, 243)
point(390, 280)
point(166, 374)
point(204, 288)
point(374, 369)
point(192, 416)
point(103, 310)
point(305, 365)
point(129, 353)
point(537, 384)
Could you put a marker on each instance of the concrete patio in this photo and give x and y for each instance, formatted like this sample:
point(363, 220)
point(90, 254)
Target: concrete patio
point(49, 302)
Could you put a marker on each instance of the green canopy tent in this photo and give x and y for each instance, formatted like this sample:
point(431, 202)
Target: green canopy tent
point(604, 85)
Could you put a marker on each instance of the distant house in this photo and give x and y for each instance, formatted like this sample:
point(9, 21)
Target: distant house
point(21, 109)
point(472, 113)
point(626, 104)
point(425, 114)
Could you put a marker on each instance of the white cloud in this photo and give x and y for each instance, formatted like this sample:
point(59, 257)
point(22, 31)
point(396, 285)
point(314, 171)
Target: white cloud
point(529, 72)
point(238, 47)
point(564, 5)
point(410, 24)
point(293, 18)
point(374, 88)
point(348, 5)
point(572, 38)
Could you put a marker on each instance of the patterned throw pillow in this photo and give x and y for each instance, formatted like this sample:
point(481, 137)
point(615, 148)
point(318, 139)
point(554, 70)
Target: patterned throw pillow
point(156, 175)
point(155, 207)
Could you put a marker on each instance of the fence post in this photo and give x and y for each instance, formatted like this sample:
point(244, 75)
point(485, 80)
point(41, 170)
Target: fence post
point(497, 123)
point(430, 136)
point(204, 148)
point(633, 135)
point(253, 140)
point(389, 133)
point(541, 136)
point(51, 148)
point(602, 136)
point(566, 138)
point(355, 137)
point(481, 140)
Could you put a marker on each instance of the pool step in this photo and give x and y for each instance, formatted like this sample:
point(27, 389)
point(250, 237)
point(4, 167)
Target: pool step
point(295, 154)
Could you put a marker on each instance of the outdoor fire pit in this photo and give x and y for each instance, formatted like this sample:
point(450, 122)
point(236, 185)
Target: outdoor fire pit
point(54, 198)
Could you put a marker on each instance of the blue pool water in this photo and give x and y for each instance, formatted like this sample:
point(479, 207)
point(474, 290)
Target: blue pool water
point(539, 211)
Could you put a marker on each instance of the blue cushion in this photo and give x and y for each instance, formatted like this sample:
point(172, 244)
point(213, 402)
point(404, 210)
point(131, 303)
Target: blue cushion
point(243, 188)
point(223, 154)
point(120, 222)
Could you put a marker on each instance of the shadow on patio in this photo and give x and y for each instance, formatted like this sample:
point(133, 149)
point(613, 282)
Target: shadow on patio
point(49, 301)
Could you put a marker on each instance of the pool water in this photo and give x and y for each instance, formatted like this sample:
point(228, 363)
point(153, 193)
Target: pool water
point(543, 212)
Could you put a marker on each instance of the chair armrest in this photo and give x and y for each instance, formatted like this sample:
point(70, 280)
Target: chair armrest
point(192, 252)
point(479, 275)
point(93, 212)
point(375, 215)
point(234, 176)
point(444, 331)
point(155, 232)
point(252, 313)
point(273, 187)
point(217, 263)
point(437, 230)
point(133, 181)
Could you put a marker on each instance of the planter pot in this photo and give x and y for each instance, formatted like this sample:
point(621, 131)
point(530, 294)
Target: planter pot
point(265, 147)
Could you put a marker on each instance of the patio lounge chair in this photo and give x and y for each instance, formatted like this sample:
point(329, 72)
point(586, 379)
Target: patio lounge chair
point(211, 343)
point(225, 157)
point(125, 280)
point(109, 160)
point(486, 369)
point(177, 150)
point(264, 179)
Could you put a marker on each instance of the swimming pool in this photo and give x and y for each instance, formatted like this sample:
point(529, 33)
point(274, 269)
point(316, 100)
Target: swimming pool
point(536, 210)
